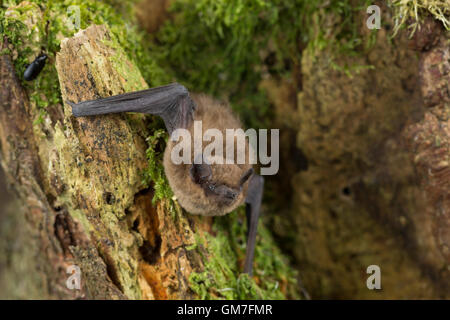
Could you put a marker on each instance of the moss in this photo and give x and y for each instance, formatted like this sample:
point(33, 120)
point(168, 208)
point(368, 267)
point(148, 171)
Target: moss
point(225, 48)
point(221, 278)
point(155, 172)
point(409, 13)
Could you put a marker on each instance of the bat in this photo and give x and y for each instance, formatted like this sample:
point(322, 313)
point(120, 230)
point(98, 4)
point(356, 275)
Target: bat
point(201, 187)
point(34, 68)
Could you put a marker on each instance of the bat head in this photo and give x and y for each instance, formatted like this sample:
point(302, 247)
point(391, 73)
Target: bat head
point(218, 183)
point(208, 188)
point(223, 183)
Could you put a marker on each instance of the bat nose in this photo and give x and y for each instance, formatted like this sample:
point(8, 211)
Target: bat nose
point(231, 195)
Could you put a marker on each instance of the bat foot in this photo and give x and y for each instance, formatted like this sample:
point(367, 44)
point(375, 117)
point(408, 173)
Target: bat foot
point(253, 207)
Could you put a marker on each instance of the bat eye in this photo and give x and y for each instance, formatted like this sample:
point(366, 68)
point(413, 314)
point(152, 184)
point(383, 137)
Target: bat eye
point(212, 187)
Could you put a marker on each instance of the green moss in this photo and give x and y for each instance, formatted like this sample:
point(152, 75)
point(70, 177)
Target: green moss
point(154, 174)
point(221, 278)
point(155, 171)
point(350, 69)
point(224, 47)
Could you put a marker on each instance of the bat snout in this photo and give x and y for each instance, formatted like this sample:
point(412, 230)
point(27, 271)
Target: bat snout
point(231, 195)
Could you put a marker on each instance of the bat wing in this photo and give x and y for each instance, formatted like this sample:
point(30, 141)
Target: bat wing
point(171, 102)
point(253, 207)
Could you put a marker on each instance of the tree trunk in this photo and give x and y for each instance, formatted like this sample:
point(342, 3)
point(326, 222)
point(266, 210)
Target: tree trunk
point(375, 190)
point(80, 183)
point(82, 202)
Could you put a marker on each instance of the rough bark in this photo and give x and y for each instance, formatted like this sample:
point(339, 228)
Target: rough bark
point(428, 142)
point(41, 262)
point(80, 184)
point(375, 188)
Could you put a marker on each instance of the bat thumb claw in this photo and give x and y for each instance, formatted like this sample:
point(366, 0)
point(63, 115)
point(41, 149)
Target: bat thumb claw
point(70, 103)
point(75, 110)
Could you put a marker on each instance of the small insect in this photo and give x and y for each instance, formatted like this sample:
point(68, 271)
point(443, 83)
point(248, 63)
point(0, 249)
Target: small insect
point(33, 70)
point(202, 187)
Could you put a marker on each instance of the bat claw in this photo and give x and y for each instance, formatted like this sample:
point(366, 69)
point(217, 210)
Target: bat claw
point(70, 103)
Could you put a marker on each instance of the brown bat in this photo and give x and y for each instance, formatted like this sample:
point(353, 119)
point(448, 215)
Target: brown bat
point(201, 186)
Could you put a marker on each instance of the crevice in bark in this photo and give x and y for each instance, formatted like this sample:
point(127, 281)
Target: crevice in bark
point(64, 232)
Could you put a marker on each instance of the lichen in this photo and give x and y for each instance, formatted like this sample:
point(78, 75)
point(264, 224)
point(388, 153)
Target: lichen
point(106, 195)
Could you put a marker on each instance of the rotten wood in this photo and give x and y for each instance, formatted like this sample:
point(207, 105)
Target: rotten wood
point(80, 181)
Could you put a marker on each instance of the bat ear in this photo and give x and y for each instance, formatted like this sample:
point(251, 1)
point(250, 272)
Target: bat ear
point(200, 173)
point(245, 176)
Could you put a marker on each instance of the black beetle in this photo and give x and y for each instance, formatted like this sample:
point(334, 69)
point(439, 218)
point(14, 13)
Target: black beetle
point(33, 70)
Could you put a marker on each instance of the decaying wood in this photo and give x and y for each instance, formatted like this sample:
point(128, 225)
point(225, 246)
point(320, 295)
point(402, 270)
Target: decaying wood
point(375, 189)
point(31, 242)
point(107, 184)
point(81, 181)
point(372, 188)
point(429, 144)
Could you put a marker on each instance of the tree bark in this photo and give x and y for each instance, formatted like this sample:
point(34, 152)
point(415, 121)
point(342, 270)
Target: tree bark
point(375, 190)
point(30, 247)
point(79, 183)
